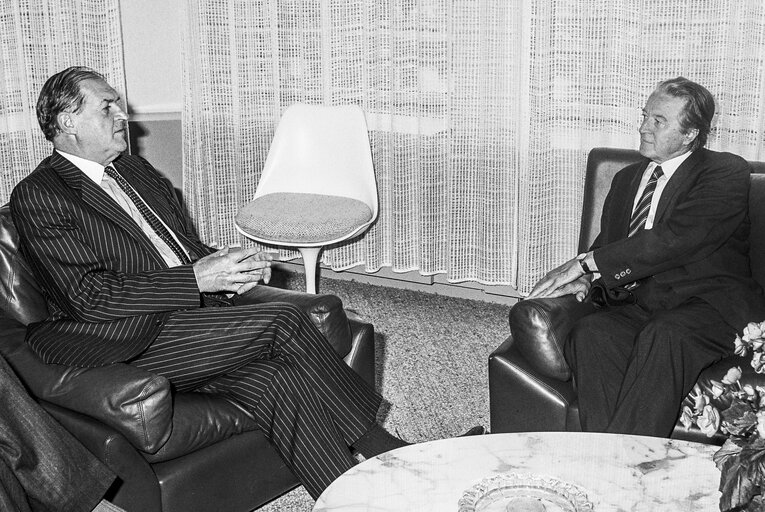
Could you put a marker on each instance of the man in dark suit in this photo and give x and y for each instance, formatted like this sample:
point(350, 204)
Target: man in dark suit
point(672, 255)
point(127, 280)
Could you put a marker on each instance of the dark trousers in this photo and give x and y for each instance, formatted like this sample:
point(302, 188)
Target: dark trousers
point(634, 364)
point(42, 467)
point(272, 360)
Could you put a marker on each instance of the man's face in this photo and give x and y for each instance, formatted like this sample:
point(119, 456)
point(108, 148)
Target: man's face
point(99, 127)
point(661, 136)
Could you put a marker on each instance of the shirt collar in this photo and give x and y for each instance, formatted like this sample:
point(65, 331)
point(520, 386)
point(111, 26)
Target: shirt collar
point(92, 170)
point(670, 166)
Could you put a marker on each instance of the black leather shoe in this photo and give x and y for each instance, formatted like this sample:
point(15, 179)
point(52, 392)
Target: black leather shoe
point(475, 431)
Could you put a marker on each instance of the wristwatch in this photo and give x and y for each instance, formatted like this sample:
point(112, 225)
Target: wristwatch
point(583, 264)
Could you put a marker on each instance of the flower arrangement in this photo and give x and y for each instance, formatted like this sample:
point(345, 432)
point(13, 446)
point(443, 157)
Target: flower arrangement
point(738, 412)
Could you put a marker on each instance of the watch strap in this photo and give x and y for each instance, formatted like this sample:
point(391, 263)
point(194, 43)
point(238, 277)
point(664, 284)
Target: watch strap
point(585, 267)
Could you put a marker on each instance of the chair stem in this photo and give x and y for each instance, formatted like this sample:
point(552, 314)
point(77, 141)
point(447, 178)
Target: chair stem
point(310, 261)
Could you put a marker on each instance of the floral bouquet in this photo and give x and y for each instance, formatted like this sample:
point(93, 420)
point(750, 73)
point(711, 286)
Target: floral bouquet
point(738, 412)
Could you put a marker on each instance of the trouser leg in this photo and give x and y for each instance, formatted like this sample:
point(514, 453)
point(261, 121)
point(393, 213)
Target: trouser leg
point(273, 361)
point(633, 367)
point(669, 353)
point(598, 351)
point(56, 472)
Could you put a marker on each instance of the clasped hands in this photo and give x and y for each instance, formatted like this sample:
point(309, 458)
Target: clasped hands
point(233, 270)
point(567, 279)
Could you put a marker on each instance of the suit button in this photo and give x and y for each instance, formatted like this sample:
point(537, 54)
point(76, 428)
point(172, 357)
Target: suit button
point(158, 322)
point(629, 271)
point(617, 276)
point(623, 273)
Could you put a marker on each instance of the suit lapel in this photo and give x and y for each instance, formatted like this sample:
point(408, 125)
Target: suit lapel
point(158, 204)
point(677, 182)
point(629, 200)
point(135, 175)
point(100, 202)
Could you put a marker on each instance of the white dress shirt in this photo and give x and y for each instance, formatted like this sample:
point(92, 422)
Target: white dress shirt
point(669, 167)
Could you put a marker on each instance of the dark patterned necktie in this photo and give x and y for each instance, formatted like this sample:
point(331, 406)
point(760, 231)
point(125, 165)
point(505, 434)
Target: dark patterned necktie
point(151, 219)
point(640, 214)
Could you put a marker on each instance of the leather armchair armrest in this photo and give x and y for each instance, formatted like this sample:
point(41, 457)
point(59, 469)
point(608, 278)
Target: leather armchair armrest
point(325, 310)
point(201, 419)
point(523, 400)
point(362, 354)
point(132, 401)
point(540, 328)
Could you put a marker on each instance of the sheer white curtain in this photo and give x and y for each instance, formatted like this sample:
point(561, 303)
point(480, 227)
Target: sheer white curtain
point(37, 39)
point(481, 112)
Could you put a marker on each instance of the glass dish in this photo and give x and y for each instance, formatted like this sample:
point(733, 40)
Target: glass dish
point(516, 492)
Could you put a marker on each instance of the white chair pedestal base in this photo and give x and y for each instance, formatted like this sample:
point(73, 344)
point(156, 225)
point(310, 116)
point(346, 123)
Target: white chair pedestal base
point(310, 261)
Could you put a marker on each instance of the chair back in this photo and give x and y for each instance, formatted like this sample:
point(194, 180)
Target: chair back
point(20, 296)
point(604, 163)
point(321, 150)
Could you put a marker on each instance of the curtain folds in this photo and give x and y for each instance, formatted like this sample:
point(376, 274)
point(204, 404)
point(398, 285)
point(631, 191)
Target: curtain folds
point(37, 39)
point(481, 112)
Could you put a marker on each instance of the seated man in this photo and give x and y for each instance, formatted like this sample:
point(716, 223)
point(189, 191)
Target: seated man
point(42, 467)
point(674, 245)
point(127, 280)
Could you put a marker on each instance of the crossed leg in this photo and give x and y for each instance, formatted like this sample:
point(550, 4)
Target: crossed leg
point(272, 360)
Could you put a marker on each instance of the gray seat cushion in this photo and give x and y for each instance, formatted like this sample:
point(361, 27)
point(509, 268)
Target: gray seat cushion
point(288, 217)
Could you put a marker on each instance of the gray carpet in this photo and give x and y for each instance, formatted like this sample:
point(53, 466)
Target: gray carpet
point(431, 357)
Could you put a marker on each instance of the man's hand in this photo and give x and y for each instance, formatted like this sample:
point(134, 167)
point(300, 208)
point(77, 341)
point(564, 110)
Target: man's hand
point(566, 279)
point(232, 270)
point(579, 288)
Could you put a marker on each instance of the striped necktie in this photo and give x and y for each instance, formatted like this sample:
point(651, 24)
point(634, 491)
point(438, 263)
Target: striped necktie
point(640, 214)
point(150, 217)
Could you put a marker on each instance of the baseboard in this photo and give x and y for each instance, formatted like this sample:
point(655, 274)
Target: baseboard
point(436, 284)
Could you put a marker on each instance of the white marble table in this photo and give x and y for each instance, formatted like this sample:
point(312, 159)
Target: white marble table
point(618, 473)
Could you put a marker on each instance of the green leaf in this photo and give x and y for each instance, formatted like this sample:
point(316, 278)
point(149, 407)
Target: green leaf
point(742, 472)
point(756, 505)
point(736, 486)
point(739, 419)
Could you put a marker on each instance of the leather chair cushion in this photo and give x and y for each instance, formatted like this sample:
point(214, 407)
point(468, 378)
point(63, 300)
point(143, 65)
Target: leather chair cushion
point(132, 401)
point(20, 296)
point(540, 328)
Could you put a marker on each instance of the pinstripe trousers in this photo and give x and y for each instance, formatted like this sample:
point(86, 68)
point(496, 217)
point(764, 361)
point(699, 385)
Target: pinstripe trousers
point(271, 359)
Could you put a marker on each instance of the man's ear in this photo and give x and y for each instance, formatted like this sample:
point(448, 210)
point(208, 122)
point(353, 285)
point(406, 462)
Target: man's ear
point(690, 136)
point(65, 122)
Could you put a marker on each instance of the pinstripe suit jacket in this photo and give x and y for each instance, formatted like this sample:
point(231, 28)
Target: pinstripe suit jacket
point(108, 289)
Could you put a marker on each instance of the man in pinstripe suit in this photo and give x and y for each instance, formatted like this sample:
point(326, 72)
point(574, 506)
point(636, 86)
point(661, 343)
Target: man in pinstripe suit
point(118, 291)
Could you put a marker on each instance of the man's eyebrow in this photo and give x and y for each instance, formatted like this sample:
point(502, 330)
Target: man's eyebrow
point(109, 101)
point(657, 116)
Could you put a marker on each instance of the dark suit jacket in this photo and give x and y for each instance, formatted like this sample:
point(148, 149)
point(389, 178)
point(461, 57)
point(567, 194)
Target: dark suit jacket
point(698, 245)
point(108, 289)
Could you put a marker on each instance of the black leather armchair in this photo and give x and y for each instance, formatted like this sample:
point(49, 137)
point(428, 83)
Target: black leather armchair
point(173, 452)
point(530, 386)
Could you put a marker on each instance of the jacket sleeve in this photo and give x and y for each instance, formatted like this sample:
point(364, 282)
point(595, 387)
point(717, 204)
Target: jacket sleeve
point(88, 283)
point(702, 213)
